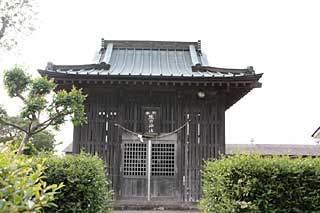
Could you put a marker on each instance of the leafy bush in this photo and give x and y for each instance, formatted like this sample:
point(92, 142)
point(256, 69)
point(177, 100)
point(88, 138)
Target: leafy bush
point(22, 184)
point(43, 141)
point(251, 183)
point(86, 186)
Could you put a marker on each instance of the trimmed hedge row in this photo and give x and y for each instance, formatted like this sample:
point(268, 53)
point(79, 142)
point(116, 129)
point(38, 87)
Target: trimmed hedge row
point(85, 184)
point(251, 183)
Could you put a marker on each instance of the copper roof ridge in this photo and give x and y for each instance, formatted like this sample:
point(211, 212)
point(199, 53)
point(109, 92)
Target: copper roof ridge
point(147, 44)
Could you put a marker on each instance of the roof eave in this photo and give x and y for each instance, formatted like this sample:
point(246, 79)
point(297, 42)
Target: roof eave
point(66, 75)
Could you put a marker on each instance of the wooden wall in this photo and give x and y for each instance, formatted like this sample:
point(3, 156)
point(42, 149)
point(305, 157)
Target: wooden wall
point(203, 138)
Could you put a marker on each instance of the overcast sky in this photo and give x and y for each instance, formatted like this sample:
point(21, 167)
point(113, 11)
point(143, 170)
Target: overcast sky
point(278, 38)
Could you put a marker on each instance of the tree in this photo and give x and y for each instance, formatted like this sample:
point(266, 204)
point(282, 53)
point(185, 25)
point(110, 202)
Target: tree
point(7, 133)
point(43, 141)
point(17, 18)
point(41, 108)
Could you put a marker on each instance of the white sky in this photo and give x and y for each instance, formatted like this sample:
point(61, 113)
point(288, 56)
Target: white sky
point(278, 38)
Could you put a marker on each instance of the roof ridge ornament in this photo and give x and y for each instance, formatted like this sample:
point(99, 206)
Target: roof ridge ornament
point(49, 66)
point(102, 44)
point(250, 69)
point(199, 45)
point(101, 53)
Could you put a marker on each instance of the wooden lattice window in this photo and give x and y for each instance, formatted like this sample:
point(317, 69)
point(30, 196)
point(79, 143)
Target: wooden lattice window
point(163, 158)
point(134, 159)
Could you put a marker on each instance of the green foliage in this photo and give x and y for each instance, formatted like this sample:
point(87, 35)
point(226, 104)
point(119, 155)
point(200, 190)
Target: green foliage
point(86, 186)
point(17, 19)
point(43, 141)
point(251, 183)
point(8, 133)
point(42, 86)
point(33, 105)
point(16, 81)
point(40, 109)
point(67, 103)
point(22, 184)
point(3, 112)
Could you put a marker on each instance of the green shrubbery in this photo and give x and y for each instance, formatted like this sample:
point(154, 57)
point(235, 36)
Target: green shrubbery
point(22, 184)
point(86, 186)
point(49, 183)
point(250, 183)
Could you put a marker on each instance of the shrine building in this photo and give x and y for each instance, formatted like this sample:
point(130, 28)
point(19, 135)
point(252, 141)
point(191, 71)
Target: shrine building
point(156, 112)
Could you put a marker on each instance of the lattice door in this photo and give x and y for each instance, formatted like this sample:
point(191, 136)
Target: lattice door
point(163, 160)
point(148, 177)
point(134, 159)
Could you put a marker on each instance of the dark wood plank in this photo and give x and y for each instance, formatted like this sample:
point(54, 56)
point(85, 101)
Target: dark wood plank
point(192, 149)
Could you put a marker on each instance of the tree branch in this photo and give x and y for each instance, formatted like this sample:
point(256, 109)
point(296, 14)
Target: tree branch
point(59, 114)
point(13, 125)
point(5, 139)
point(4, 21)
point(24, 142)
point(21, 97)
point(42, 126)
point(48, 120)
point(34, 117)
point(29, 127)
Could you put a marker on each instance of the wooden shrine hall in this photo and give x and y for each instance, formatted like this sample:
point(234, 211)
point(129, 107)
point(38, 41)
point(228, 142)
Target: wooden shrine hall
point(156, 112)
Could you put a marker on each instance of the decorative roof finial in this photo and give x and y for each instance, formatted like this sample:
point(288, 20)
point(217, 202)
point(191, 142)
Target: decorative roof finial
point(102, 43)
point(250, 68)
point(199, 45)
point(49, 66)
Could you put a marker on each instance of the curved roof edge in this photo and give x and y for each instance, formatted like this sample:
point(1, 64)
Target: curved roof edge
point(102, 69)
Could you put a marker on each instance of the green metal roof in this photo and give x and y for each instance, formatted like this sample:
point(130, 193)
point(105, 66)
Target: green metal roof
point(149, 58)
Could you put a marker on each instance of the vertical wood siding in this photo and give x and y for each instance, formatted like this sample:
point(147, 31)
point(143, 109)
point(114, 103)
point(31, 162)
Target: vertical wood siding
point(203, 138)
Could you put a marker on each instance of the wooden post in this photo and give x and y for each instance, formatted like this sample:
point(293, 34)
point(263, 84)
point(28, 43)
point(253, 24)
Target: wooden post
point(149, 170)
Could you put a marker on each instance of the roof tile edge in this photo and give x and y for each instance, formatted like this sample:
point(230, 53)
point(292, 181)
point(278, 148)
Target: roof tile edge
point(148, 44)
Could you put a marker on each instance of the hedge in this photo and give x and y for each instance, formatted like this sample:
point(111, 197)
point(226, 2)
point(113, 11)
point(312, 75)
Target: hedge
point(22, 183)
point(85, 184)
point(251, 183)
